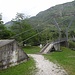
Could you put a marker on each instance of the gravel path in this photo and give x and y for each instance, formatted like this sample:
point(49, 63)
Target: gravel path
point(46, 67)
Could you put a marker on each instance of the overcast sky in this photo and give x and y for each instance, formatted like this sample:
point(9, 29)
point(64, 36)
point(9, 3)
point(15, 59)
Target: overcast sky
point(9, 8)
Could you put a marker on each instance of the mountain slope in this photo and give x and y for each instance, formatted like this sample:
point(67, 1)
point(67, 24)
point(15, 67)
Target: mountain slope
point(62, 13)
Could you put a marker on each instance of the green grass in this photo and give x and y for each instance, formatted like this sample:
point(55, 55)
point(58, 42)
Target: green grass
point(31, 49)
point(26, 68)
point(66, 59)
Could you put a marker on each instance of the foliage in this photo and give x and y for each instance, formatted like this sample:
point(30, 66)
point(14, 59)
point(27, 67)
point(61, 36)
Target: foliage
point(71, 34)
point(66, 59)
point(22, 29)
point(4, 33)
point(72, 44)
point(23, 26)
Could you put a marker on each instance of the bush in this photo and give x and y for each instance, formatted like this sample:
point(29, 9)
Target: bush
point(71, 44)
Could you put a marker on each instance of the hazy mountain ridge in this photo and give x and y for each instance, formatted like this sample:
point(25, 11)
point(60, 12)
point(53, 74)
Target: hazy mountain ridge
point(65, 10)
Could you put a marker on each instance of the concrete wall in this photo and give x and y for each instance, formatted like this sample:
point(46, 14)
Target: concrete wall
point(10, 55)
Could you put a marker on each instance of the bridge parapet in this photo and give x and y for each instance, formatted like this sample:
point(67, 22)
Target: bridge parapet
point(62, 39)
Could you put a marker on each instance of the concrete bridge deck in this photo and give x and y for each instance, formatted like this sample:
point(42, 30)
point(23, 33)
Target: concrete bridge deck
point(55, 44)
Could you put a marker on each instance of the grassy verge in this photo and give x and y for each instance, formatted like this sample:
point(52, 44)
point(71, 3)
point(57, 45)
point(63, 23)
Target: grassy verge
point(31, 50)
point(66, 59)
point(26, 68)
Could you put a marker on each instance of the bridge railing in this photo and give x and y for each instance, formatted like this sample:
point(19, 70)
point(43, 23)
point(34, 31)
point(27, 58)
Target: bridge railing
point(60, 40)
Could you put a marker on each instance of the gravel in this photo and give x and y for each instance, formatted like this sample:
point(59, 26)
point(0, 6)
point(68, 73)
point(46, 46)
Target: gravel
point(45, 67)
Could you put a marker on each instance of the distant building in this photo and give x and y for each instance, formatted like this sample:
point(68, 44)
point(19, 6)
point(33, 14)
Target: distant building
point(11, 54)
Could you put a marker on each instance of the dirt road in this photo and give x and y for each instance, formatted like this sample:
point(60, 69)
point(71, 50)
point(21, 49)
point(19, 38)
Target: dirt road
point(46, 67)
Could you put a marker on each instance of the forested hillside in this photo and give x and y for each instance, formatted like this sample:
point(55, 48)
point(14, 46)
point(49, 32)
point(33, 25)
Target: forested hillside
point(63, 13)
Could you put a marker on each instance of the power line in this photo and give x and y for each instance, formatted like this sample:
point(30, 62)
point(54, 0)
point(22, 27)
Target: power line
point(30, 29)
point(32, 36)
point(24, 32)
point(27, 30)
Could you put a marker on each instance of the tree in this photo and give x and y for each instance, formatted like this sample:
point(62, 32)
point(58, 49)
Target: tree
point(1, 22)
point(20, 16)
point(72, 34)
point(4, 33)
point(21, 25)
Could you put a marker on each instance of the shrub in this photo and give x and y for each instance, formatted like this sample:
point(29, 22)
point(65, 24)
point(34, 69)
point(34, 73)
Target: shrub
point(71, 44)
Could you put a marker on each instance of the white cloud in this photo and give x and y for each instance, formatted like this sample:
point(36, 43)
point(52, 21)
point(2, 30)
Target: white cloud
point(9, 8)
